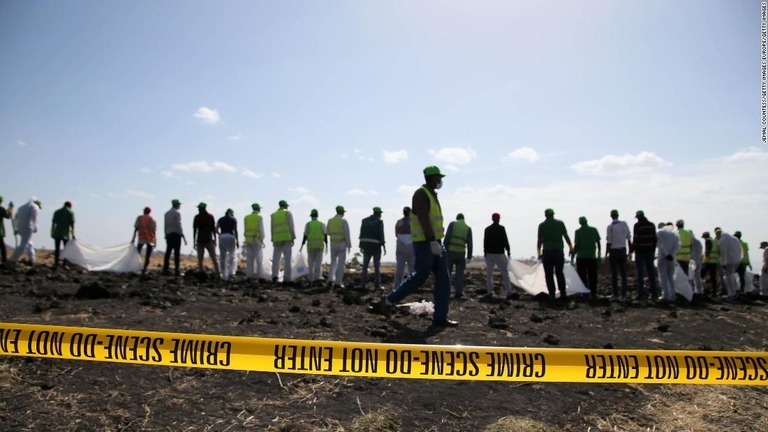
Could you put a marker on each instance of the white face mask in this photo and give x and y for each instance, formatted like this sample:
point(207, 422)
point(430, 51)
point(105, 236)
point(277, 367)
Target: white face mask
point(439, 184)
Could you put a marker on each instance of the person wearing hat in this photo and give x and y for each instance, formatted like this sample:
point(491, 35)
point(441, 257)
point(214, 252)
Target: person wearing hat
point(316, 239)
point(254, 242)
point(4, 214)
point(146, 228)
point(495, 244)
point(618, 242)
point(371, 244)
point(764, 270)
point(341, 245)
point(204, 237)
point(404, 247)
point(283, 236)
point(174, 234)
point(25, 221)
point(228, 243)
point(730, 258)
point(668, 244)
point(683, 256)
point(586, 249)
point(742, 269)
point(550, 247)
point(644, 246)
point(458, 243)
point(426, 233)
point(62, 224)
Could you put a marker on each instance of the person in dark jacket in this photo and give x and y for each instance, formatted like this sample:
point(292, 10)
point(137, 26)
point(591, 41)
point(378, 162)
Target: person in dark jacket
point(495, 243)
point(204, 236)
point(644, 247)
point(372, 243)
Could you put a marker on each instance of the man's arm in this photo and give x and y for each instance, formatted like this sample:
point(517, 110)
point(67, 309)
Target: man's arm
point(420, 206)
point(469, 243)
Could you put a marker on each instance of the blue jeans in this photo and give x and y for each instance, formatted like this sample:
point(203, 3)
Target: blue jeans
point(426, 263)
point(376, 255)
point(457, 260)
point(553, 261)
point(644, 261)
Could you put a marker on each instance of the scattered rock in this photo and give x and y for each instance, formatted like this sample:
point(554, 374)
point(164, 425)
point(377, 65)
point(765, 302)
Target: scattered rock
point(608, 346)
point(380, 333)
point(92, 291)
point(551, 339)
point(663, 328)
point(535, 318)
point(497, 322)
point(294, 309)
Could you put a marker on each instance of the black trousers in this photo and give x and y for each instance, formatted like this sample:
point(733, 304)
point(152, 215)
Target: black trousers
point(57, 249)
point(618, 260)
point(173, 244)
point(587, 270)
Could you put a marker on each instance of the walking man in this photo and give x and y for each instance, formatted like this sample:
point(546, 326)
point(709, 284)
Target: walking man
point(371, 244)
point(316, 239)
point(228, 243)
point(495, 243)
point(254, 242)
point(146, 227)
point(427, 231)
point(174, 234)
point(204, 237)
point(586, 249)
point(25, 221)
point(550, 247)
point(62, 224)
point(617, 242)
point(644, 246)
point(341, 244)
point(404, 249)
point(458, 241)
point(283, 236)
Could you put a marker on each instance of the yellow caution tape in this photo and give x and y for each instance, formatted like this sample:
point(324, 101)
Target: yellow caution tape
point(385, 360)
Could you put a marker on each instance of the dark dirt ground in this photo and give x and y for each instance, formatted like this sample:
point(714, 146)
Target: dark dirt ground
point(55, 395)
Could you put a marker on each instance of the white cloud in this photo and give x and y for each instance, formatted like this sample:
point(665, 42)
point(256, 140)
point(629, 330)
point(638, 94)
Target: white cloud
point(626, 164)
point(406, 189)
point(168, 174)
point(205, 167)
point(360, 192)
point(751, 154)
point(300, 190)
point(454, 156)
point(525, 154)
point(309, 200)
point(21, 143)
point(139, 194)
point(395, 156)
point(236, 137)
point(207, 115)
point(248, 173)
point(275, 174)
point(145, 170)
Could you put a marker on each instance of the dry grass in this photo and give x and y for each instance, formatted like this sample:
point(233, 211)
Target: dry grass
point(519, 424)
point(695, 409)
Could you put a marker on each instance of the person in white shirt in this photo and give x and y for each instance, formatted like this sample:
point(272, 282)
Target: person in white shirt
point(697, 251)
point(25, 221)
point(764, 270)
point(404, 250)
point(617, 239)
point(730, 258)
point(667, 244)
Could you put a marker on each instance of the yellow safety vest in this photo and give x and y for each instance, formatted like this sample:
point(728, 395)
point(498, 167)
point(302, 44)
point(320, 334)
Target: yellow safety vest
point(315, 235)
point(714, 255)
point(459, 233)
point(744, 253)
point(435, 218)
point(251, 223)
point(686, 238)
point(281, 232)
point(336, 229)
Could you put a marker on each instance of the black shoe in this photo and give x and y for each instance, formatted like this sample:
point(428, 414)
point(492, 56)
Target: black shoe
point(385, 308)
point(513, 296)
point(445, 323)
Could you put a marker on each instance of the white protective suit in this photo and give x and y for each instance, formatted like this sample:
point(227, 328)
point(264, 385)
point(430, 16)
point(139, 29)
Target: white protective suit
point(730, 257)
point(25, 220)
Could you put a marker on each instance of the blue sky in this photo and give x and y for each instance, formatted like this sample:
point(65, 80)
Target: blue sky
point(581, 106)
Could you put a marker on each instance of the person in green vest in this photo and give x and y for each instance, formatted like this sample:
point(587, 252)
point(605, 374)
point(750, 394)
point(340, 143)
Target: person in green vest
point(283, 236)
point(341, 245)
point(586, 249)
point(4, 214)
point(426, 233)
point(458, 242)
point(316, 239)
point(254, 242)
point(683, 256)
point(62, 225)
point(371, 244)
point(742, 269)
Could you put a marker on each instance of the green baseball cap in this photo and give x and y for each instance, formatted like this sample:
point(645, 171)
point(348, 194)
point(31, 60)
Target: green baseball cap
point(582, 220)
point(340, 209)
point(432, 171)
point(377, 210)
point(175, 202)
point(283, 203)
point(256, 206)
point(549, 212)
point(639, 213)
point(39, 204)
point(460, 216)
point(313, 213)
point(202, 205)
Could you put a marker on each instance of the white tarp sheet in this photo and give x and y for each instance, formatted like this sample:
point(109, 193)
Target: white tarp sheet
point(682, 284)
point(118, 259)
point(531, 278)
